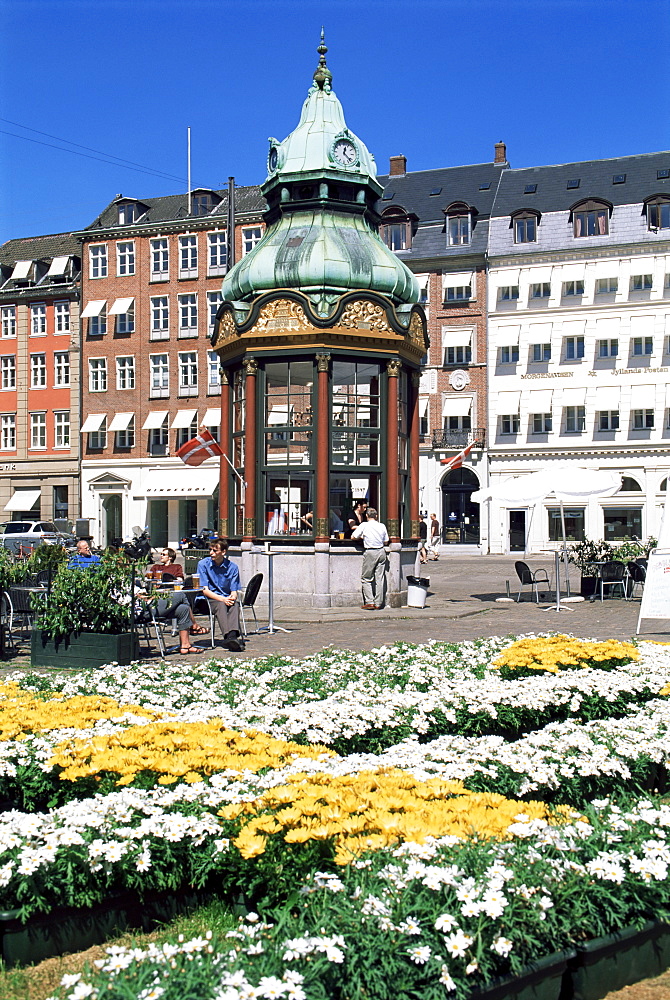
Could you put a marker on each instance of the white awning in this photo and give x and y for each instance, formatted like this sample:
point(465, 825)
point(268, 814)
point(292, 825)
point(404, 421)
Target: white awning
point(507, 277)
point(573, 272)
point(456, 338)
point(423, 406)
point(539, 400)
point(182, 482)
point(57, 266)
point(508, 335)
point(508, 401)
point(212, 417)
point(93, 308)
point(121, 306)
point(93, 422)
point(456, 406)
point(574, 396)
point(21, 270)
point(574, 328)
point(667, 394)
point(154, 420)
point(23, 500)
point(121, 422)
point(456, 279)
point(184, 418)
point(539, 274)
point(608, 326)
point(605, 268)
point(607, 397)
point(642, 397)
point(279, 415)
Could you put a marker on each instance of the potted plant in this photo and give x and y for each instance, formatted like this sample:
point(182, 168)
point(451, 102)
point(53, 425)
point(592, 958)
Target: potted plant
point(86, 619)
point(585, 555)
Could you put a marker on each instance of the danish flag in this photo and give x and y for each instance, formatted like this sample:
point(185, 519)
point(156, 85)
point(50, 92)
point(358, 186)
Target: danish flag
point(457, 461)
point(202, 446)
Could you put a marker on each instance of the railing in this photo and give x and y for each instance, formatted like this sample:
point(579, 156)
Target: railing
point(449, 440)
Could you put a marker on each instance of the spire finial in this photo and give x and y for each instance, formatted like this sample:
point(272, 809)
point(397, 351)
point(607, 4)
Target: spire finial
point(322, 76)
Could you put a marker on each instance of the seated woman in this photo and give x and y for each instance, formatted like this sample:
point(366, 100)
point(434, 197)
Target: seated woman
point(167, 567)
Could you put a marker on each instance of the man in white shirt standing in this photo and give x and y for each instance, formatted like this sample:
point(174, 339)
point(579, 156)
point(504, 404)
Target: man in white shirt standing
point(373, 577)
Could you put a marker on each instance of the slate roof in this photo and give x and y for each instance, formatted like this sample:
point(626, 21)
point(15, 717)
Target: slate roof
point(39, 248)
point(174, 208)
point(595, 181)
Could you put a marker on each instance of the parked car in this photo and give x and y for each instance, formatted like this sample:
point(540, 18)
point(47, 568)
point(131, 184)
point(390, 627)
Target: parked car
point(27, 535)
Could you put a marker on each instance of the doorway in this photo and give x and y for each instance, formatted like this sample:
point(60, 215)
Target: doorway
point(113, 523)
point(460, 517)
point(517, 531)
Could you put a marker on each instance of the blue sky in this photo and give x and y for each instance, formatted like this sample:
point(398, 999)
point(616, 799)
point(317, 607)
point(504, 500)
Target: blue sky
point(437, 80)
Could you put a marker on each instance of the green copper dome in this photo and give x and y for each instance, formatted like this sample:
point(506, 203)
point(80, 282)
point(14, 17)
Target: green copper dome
point(322, 222)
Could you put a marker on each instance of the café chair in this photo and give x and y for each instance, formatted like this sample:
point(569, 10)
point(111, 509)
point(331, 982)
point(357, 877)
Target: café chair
point(530, 578)
point(636, 575)
point(249, 600)
point(612, 574)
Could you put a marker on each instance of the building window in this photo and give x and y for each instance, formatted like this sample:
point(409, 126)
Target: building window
point(8, 432)
point(61, 428)
point(9, 321)
point(575, 419)
point(98, 439)
point(574, 348)
point(509, 355)
point(125, 322)
point(217, 246)
point(38, 319)
point(590, 219)
point(38, 371)
point(396, 229)
point(463, 423)
point(160, 318)
point(459, 225)
point(126, 438)
point(643, 346)
point(186, 434)
point(622, 523)
point(159, 440)
point(97, 374)
point(541, 352)
point(62, 317)
point(159, 371)
point(251, 235)
point(542, 423)
point(213, 370)
point(160, 260)
point(97, 325)
point(125, 258)
point(188, 315)
point(128, 213)
point(573, 288)
point(38, 430)
point(61, 369)
point(97, 261)
point(605, 285)
point(525, 228)
point(8, 372)
point(641, 282)
point(658, 214)
point(573, 518)
point(608, 348)
point(188, 256)
point(214, 300)
point(188, 374)
point(643, 420)
point(509, 423)
point(508, 292)
point(458, 293)
point(201, 204)
point(60, 500)
point(125, 372)
point(608, 420)
point(540, 290)
point(461, 355)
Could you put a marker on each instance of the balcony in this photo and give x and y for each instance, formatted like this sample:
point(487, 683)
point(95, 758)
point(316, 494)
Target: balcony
point(455, 440)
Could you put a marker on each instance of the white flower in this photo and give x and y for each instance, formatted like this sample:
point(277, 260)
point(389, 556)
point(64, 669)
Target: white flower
point(445, 922)
point(271, 988)
point(446, 979)
point(419, 955)
point(502, 946)
point(457, 944)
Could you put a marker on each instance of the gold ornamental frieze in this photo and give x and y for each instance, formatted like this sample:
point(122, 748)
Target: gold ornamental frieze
point(364, 315)
point(282, 315)
point(227, 329)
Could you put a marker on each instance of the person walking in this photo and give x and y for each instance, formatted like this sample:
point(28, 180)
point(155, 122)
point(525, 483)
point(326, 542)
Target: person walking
point(434, 546)
point(373, 576)
point(423, 536)
point(220, 582)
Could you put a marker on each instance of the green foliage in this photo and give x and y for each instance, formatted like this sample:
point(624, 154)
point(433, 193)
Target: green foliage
point(582, 554)
point(88, 600)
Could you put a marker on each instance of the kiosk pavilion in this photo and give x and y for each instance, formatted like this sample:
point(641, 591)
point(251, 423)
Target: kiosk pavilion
point(320, 339)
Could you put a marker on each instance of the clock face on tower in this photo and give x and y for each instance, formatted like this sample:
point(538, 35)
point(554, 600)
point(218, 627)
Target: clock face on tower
point(344, 152)
point(272, 159)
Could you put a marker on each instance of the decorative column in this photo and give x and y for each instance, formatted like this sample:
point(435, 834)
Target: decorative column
point(322, 464)
point(224, 468)
point(414, 421)
point(250, 366)
point(393, 368)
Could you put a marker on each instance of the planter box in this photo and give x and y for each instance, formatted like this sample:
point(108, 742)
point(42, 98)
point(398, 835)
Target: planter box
point(588, 586)
point(541, 980)
point(83, 649)
point(620, 959)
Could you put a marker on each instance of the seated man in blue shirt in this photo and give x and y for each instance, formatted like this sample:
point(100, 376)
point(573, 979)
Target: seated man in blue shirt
point(83, 558)
point(220, 582)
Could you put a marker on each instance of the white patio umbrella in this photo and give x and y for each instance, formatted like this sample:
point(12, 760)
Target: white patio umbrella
point(566, 482)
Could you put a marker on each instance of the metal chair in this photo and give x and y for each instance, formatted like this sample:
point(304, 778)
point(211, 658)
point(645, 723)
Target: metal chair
point(530, 578)
point(7, 619)
point(612, 574)
point(636, 575)
point(146, 624)
point(249, 600)
point(22, 611)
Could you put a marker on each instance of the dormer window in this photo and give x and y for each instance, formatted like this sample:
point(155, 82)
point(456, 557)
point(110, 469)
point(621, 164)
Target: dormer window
point(459, 224)
point(202, 202)
point(396, 229)
point(128, 213)
point(591, 218)
point(23, 271)
point(525, 225)
point(658, 212)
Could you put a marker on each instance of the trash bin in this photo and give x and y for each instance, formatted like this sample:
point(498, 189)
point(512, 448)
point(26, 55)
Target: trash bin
point(417, 591)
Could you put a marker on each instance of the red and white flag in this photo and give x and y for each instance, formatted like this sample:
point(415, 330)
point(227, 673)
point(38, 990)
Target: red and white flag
point(457, 461)
point(203, 446)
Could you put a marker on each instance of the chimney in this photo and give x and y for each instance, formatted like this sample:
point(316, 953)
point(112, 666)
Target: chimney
point(500, 152)
point(397, 166)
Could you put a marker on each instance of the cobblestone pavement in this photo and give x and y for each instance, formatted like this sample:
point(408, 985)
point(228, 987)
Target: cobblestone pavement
point(463, 603)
